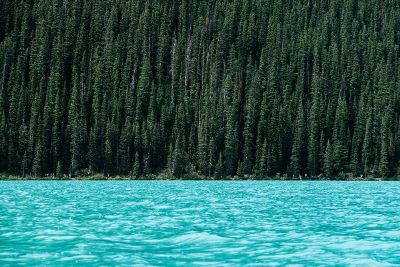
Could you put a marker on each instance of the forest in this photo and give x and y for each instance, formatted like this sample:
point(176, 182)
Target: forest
point(212, 89)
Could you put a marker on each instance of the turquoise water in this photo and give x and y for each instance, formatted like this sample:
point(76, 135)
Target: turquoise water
point(209, 223)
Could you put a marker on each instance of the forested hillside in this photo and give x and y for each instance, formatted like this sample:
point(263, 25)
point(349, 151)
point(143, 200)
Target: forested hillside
point(218, 88)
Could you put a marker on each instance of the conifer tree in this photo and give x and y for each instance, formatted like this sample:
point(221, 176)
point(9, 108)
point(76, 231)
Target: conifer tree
point(314, 129)
point(297, 156)
point(219, 168)
point(384, 153)
point(136, 171)
point(328, 161)
point(340, 136)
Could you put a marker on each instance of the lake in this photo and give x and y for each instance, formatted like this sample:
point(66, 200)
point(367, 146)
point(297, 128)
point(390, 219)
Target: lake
point(194, 223)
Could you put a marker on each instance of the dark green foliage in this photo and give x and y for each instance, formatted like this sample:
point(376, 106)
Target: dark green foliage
point(340, 137)
point(219, 168)
point(297, 157)
point(179, 162)
point(59, 171)
point(328, 161)
point(136, 171)
point(223, 88)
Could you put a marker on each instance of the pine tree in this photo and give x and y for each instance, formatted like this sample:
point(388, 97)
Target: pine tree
point(367, 150)
point(3, 142)
point(108, 158)
point(314, 129)
point(297, 156)
point(23, 144)
point(179, 159)
point(340, 137)
point(125, 147)
point(251, 111)
point(232, 136)
point(219, 168)
point(263, 170)
point(384, 153)
point(136, 171)
point(328, 161)
point(146, 165)
point(59, 170)
point(38, 159)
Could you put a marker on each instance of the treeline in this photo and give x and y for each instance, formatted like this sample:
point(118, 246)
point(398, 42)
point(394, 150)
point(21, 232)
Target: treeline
point(218, 88)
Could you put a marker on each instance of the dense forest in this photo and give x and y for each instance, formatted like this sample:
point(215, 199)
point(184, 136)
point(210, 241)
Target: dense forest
point(214, 88)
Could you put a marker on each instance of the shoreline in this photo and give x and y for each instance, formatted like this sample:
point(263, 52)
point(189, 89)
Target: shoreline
point(121, 178)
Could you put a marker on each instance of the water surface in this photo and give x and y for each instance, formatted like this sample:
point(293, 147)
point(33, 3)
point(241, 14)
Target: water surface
point(209, 223)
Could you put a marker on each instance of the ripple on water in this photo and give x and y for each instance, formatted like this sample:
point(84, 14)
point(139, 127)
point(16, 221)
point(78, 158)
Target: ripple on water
point(196, 238)
point(218, 223)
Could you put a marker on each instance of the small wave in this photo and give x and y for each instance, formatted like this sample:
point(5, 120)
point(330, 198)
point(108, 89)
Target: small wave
point(40, 256)
point(198, 237)
point(48, 238)
point(78, 257)
point(89, 236)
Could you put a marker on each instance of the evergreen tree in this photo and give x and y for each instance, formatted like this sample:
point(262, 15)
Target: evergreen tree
point(297, 157)
point(136, 171)
point(219, 168)
point(59, 170)
point(384, 152)
point(328, 161)
point(340, 136)
point(232, 139)
point(315, 125)
point(179, 159)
